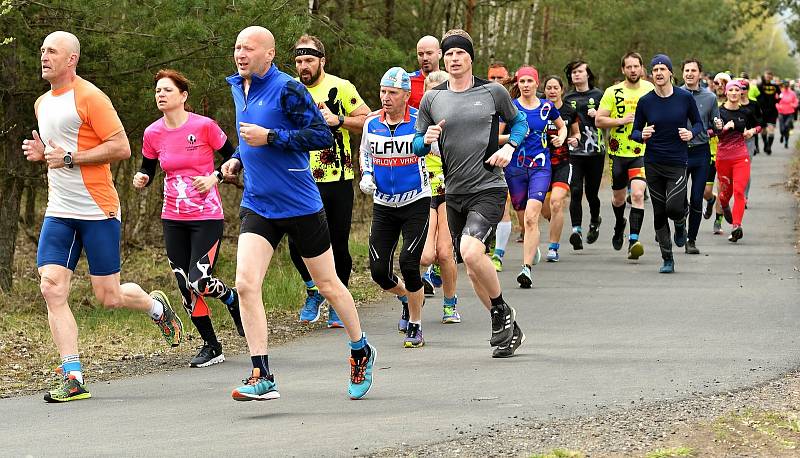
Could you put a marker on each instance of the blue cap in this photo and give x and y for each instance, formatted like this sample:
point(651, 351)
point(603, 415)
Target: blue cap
point(661, 59)
point(396, 77)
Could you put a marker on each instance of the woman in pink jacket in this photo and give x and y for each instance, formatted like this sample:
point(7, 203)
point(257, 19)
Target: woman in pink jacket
point(786, 108)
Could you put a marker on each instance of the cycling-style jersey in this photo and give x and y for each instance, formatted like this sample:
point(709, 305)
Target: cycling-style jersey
point(341, 97)
point(400, 175)
point(79, 117)
point(621, 101)
point(533, 152)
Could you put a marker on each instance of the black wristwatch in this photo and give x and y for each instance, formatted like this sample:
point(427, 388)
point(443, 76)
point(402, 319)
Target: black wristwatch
point(513, 143)
point(341, 121)
point(220, 177)
point(68, 159)
point(271, 137)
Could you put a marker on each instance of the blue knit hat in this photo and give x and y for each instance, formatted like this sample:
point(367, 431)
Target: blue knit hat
point(396, 77)
point(661, 59)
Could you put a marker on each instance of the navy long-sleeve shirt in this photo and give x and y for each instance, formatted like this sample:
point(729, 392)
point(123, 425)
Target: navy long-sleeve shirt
point(666, 115)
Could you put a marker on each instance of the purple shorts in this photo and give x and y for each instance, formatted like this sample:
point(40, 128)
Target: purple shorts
point(527, 183)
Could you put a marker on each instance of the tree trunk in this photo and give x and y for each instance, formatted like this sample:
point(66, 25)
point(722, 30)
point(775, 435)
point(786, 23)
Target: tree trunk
point(469, 15)
point(389, 18)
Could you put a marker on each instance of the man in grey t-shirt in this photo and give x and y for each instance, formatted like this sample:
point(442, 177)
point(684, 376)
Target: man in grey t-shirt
point(463, 116)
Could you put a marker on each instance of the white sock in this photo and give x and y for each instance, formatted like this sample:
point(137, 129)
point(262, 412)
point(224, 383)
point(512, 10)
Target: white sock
point(156, 310)
point(503, 233)
point(419, 322)
point(78, 376)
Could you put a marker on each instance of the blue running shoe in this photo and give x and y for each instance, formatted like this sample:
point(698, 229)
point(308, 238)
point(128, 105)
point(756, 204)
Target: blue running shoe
point(552, 255)
point(257, 388)
point(436, 275)
point(427, 284)
point(311, 309)
point(668, 267)
point(402, 325)
point(449, 313)
point(361, 374)
point(333, 319)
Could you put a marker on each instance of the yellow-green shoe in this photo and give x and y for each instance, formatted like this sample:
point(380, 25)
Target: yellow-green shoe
point(71, 390)
point(498, 263)
point(170, 324)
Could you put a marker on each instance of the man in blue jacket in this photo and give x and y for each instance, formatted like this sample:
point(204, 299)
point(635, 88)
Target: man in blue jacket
point(278, 125)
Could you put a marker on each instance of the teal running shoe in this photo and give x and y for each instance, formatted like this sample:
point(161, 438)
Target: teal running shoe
point(361, 374)
point(257, 388)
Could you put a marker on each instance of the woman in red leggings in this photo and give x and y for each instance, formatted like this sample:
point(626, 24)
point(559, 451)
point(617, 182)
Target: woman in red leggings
point(733, 161)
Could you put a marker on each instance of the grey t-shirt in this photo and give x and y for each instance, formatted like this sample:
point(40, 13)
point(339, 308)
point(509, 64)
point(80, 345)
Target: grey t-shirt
point(470, 132)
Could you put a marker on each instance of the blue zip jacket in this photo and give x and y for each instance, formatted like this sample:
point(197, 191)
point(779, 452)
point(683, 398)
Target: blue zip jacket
point(277, 177)
point(400, 175)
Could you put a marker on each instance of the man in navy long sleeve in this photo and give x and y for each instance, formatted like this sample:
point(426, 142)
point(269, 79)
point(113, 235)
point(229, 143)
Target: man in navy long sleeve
point(661, 119)
point(278, 124)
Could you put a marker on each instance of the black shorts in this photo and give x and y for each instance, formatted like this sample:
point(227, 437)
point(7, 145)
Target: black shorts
point(561, 176)
point(624, 170)
point(436, 201)
point(309, 233)
point(712, 173)
point(476, 214)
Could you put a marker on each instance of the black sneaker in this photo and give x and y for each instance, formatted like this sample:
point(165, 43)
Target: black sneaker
point(503, 317)
point(594, 231)
point(618, 239)
point(233, 308)
point(726, 212)
point(691, 248)
point(427, 286)
point(209, 354)
point(680, 233)
point(736, 234)
point(709, 207)
point(576, 241)
point(507, 351)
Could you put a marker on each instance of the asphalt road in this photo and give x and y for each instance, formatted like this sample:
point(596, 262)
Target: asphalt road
point(602, 331)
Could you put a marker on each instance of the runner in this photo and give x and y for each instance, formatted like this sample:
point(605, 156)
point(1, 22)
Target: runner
point(398, 181)
point(278, 124)
point(755, 116)
point(587, 158)
point(661, 119)
point(498, 72)
point(769, 92)
point(81, 135)
point(786, 107)
point(529, 173)
point(699, 153)
point(626, 156)
point(472, 162)
point(439, 245)
point(183, 143)
point(712, 203)
point(428, 55)
point(332, 168)
point(553, 208)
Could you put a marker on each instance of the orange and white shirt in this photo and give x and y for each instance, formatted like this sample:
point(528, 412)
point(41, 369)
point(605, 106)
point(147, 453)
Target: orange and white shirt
point(79, 117)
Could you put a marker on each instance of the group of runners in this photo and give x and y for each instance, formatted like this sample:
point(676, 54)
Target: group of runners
point(443, 159)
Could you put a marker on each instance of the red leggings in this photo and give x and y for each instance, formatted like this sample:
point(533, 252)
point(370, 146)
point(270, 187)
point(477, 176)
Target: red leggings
point(733, 176)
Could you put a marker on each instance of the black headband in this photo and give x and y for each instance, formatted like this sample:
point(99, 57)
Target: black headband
point(457, 41)
point(308, 52)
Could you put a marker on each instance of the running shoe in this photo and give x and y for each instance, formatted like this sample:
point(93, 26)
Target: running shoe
point(521, 237)
point(414, 338)
point(498, 263)
point(635, 250)
point(361, 374)
point(726, 212)
point(208, 355)
point(503, 317)
point(736, 234)
point(70, 390)
point(311, 309)
point(170, 324)
point(427, 284)
point(402, 325)
point(257, 388)
point(449, 313)
point(668, 267)
point(691, 248)
point(507, 351)
point(576, 241)
point(680, 233)
point(236, 316)
point(552, 255)
point(594, 231)
point(709, 207)
point(525, 277)
point(333, 318)
point(619, 235)
point(436, 275)
point(537, 258)
point(718, 225)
